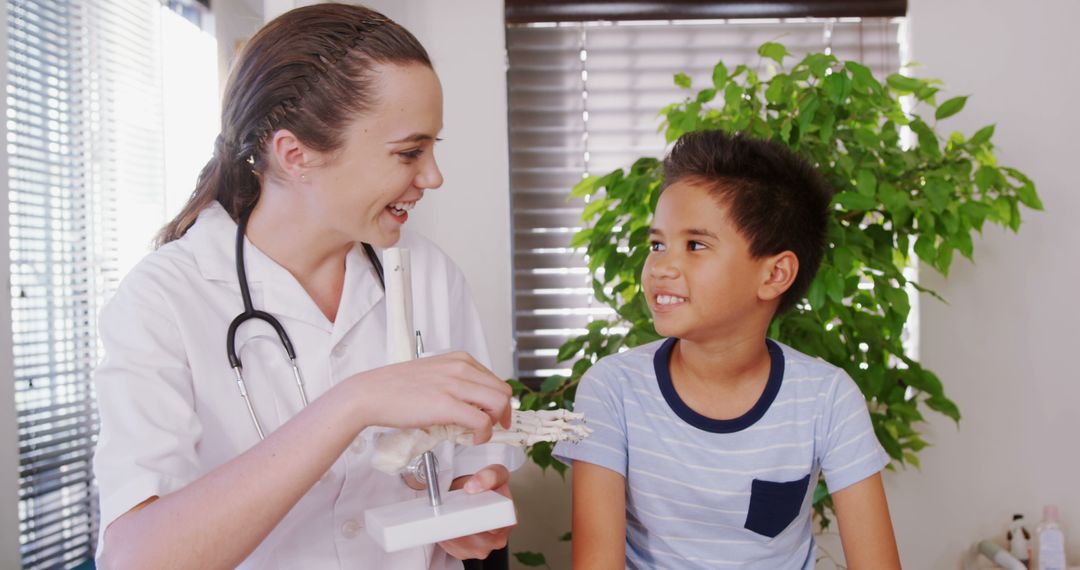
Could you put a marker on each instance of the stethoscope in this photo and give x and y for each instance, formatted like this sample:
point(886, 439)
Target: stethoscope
point(250, 313)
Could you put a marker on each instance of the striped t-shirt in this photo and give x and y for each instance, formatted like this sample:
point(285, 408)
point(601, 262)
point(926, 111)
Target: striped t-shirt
point(707, 493)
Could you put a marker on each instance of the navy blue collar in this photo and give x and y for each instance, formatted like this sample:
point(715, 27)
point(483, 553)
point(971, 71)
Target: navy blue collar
point(662, 365)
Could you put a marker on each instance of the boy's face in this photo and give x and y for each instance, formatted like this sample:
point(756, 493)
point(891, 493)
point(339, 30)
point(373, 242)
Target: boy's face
point(700, 279)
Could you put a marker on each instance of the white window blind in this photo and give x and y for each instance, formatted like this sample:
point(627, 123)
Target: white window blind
point(86, 178)
point(583, 99)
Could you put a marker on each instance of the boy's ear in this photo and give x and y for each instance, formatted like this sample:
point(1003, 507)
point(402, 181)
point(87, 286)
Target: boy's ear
point(290, 156)
point(779, 273)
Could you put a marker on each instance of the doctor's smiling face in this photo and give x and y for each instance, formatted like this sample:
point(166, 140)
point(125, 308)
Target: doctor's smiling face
point(327, 125)
point(365, 189)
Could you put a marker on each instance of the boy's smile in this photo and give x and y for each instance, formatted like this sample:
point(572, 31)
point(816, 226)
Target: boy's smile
point(700, 279)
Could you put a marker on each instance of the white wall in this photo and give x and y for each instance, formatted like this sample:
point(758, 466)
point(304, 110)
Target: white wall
point(1005, 344)
point(234, 22)
point(469, 217)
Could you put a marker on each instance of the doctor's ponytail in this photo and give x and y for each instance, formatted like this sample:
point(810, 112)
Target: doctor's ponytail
point(308, 71)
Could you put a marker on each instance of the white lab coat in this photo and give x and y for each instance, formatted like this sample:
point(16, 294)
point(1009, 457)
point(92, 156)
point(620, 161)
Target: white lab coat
point(170, 408)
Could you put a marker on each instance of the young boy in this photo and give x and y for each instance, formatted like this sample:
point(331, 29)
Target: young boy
point(707, 446)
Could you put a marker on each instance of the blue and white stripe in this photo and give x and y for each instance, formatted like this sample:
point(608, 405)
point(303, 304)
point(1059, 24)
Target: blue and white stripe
point(689, 486)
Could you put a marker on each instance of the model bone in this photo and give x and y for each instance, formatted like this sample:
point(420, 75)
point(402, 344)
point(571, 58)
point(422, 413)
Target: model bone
point(394, 450)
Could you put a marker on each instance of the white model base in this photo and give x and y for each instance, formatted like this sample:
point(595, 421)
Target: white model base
point(416, 522)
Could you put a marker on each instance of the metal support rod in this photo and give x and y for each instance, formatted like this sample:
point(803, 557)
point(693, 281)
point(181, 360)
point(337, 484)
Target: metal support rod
point(432, 476)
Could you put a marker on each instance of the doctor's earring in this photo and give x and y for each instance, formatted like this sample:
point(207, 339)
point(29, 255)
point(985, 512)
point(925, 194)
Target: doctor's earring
point(303, 177)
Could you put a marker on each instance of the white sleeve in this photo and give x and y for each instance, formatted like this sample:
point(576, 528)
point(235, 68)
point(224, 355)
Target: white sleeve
point(149, 428)
point(468, 335)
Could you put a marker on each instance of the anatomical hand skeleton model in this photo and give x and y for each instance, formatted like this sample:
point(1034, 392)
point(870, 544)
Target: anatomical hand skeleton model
point(394, 450)
point(456, 513)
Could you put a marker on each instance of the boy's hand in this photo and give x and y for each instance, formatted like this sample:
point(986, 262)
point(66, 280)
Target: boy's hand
point(491, 478)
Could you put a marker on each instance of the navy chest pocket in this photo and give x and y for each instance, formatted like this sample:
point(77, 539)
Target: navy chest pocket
point(774, 505)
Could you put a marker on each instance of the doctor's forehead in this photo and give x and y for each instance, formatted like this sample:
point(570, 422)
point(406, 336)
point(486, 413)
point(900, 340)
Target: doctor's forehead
point(407, 105)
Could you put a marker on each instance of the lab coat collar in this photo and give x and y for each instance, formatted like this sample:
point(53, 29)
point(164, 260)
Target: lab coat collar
point(212, 240)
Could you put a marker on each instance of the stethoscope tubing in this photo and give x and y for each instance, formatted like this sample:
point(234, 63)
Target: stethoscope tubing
point(250, 313)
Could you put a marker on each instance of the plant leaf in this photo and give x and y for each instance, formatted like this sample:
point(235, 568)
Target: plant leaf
point(928, 141)
point(903, 83)
point(925, 248)
point(898, 300)
point(719, 75)
point(1026, 193)
point(585, 187)
point(517, 386)
point(733, 95)
point(551, 384)
point(950, 107)
point(945, 406)
point(862, 78)
point(819, 63)
point(834, 284)
point(773, 51)
point(570, 348)
point(836, 87)
point(853, 201)
point(816, 295)
point(986, 177)
point(531, 558)
point(776, 91)
point(938, 193)
point(981, 136)
point(866, 183)
point(541, 454)
point(912, 459)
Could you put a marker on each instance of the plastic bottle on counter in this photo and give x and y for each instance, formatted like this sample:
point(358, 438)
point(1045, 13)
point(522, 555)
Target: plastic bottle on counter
point(1049, 541)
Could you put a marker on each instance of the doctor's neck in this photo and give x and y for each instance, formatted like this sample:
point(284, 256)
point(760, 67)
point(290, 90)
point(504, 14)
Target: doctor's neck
point(294, 236)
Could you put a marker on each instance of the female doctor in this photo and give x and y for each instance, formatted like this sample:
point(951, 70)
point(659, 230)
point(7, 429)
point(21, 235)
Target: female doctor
point(328, 124)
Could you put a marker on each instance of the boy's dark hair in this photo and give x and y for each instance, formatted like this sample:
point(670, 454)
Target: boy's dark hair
point(776, 199)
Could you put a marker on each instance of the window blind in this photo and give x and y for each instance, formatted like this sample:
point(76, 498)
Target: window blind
point(84, 130)
point(584, 99)
point(526, 11)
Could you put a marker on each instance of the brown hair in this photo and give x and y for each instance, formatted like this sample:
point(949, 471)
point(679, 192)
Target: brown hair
point(308, 71)
point(776, 199)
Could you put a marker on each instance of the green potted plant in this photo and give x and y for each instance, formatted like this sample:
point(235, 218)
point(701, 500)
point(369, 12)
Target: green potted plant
point(903, 192)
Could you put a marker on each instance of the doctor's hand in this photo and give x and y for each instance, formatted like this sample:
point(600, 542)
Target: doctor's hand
point(446, 389)
point(491, 478)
